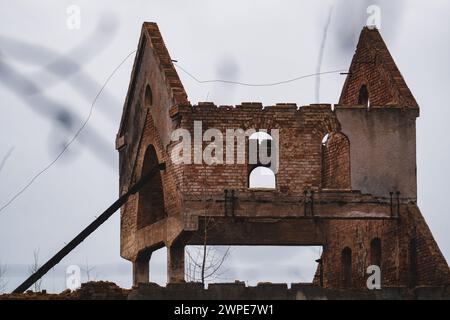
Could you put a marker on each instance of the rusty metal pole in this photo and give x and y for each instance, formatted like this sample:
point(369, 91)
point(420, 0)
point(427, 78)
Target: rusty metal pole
point(88, 230)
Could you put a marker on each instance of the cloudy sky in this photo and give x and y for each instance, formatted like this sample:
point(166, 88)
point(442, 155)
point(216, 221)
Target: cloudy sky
point(50, 75)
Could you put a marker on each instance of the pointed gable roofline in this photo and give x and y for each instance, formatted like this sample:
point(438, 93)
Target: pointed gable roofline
point(373, 69)
point(151, 35)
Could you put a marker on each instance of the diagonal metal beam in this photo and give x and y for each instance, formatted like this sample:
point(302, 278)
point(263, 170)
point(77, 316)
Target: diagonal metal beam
point(88, 230)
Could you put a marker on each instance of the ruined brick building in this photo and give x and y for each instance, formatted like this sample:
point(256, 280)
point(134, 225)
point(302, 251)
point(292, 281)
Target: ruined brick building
point(353, 193)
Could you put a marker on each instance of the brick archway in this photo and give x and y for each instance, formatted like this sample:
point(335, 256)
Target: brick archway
point(151, 196)
point(336, 161)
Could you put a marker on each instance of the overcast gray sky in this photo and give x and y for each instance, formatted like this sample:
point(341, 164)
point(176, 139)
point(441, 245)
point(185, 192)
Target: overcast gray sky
point(49, 76)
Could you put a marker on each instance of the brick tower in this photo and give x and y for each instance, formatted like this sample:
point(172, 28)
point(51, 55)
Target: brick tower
point(345, 180)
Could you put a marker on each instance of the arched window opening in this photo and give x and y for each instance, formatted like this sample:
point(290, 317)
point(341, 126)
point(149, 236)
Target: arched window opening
point(375, 252)
point(262, 178)
point(260, 136)
point(336, 161)
point(346, 265)
point(262, 140)
point(325, 139)
point(260, 152)
point(363, 98)
point(148, 98)
point(151, 196)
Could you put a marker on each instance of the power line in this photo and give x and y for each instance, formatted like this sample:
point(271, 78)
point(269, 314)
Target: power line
point(38, 274)
point(256, 84)
point(77, 133)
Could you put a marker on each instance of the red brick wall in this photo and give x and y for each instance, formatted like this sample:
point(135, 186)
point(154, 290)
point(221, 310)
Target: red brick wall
point(171, 187)
point(303, 163)
point(300, 136)
point(431, 266)
point(374, 67)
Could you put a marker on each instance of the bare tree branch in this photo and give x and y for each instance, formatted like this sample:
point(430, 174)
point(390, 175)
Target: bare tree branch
point(87, 269)
point(35, 267)
point(204, 262)
point(3, 281)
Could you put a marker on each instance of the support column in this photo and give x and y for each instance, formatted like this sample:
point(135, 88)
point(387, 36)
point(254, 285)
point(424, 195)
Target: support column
point(141, 269)
point(175, 263)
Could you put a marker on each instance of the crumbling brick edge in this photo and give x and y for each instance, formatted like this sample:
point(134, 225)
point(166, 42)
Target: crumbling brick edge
point(103, 290)
point(275, 291)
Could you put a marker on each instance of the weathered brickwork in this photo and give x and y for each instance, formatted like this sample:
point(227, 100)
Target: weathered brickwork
point(373, 66)
point(92, 290)
point(300, 134)
point(429, 267)
point(353, 193)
